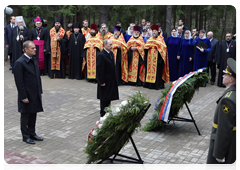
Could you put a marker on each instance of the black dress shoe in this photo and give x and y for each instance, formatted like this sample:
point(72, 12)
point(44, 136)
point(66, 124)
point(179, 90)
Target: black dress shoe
point(10, 68)
point(212, 83)
point(36, 138)
point(29, 141)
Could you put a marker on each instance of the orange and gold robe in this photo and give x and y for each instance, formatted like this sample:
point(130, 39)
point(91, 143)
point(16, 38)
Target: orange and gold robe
point(85, 32)
point(104, 37)
point(133, 66)
point(91, 56)
point(155, 45)
point(124, 60)
point(68, 33)
point(55, 48)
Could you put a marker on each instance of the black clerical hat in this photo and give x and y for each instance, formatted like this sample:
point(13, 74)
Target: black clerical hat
point(57, 20)
point(76, 25)
point(231, 67)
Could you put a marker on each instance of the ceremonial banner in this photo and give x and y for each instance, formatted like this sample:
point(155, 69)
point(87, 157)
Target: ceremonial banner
point(55, 48)
point(155, 45)
point(124, 61)
point(133, 66)
point(91, 57)
point(165, 110)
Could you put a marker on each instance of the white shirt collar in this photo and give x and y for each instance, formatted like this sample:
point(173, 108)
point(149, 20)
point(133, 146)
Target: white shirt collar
point(27, 56)
point(211, 39)
point(106, 50)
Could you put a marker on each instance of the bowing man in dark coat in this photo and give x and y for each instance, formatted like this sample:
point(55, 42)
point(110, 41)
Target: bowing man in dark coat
point(212, 56)
point(75, 49)
point(18, 36)
point(107, 89)
point(29, 87)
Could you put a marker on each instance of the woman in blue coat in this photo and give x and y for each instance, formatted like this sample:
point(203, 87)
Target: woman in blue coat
point(185, 54)
point(173, 45)
point(201, 55)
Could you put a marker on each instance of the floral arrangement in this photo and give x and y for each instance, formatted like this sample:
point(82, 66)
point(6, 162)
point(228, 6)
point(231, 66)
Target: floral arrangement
point(118, 119)
point(183, 92)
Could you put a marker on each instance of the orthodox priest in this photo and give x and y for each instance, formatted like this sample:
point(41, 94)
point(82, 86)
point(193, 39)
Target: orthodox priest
point(75, 46)
point(68, 33)
point(136, 68)
point(19, 35)
point(58, 43)
point(156, 61)
point(227, 49)
point(103, 32)
point(39, 36)
point(85, 29)
point(120, 55)
point(92, 47)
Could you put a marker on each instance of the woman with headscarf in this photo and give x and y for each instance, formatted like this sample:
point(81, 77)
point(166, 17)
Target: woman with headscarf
point(173, 45)
point(185, 54)
point(201, 54)
point(129, 33)
point(39, 36)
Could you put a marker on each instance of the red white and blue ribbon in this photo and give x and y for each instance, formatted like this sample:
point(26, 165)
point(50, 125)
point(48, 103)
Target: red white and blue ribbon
point(165, 110)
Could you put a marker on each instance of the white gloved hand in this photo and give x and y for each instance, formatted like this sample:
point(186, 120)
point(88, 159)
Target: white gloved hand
point(221, 160)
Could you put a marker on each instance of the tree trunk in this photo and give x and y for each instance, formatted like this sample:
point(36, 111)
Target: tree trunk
point(201, 20)
point(104, 14)
point(196, 19)
point(189, 7)
point(65, 22)
point(174, 16)
point(205, 20)
point(223, 23)
point(168, 19)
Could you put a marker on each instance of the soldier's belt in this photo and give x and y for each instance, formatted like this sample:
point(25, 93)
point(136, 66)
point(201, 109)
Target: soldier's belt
point(216, 126)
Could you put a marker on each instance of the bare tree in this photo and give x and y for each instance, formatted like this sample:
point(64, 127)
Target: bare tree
point(168, 19)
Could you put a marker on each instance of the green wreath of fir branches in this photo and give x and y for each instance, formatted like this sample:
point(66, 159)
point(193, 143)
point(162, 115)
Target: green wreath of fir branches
point(114, 126)
point(184, 92)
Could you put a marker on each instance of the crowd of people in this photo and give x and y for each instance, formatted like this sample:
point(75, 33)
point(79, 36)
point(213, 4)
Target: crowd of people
point(144, 55)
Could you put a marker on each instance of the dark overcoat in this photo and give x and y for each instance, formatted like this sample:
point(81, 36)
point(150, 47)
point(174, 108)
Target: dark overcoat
point(106, 73)
point(223, 136)
point(28, 82)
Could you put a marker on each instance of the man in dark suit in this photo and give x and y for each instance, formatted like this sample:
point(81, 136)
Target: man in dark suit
point(180, 32)
point(212, 56)
point(8, 31)
point(181, 23)
point(107, 89)
point(29, 87)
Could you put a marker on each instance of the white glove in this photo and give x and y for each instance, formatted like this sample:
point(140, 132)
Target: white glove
point(221, 160)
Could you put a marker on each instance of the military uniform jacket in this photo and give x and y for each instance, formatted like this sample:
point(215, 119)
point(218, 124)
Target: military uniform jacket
point(223, 136)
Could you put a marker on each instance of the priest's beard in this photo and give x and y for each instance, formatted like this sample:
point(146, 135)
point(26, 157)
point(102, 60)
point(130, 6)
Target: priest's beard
point(57, 28)
point(104, 31)
point(21, 27)
point(116, 36)
point(155, 35)
point(135, 35)
point(92, 34)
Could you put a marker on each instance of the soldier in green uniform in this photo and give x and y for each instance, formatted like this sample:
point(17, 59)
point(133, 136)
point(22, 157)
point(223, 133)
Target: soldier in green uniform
point(222, 147)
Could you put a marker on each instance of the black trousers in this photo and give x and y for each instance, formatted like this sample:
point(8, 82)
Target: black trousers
point(103, 105)
point(27, 123)
point(212, 67)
